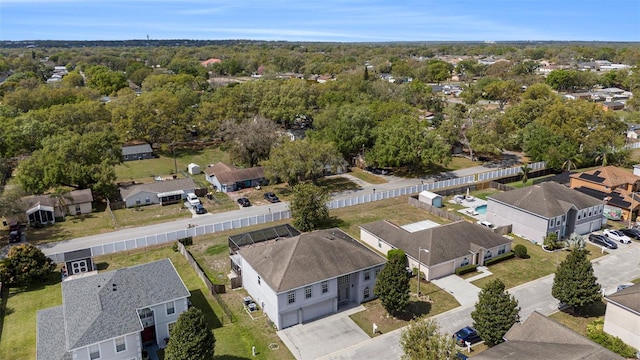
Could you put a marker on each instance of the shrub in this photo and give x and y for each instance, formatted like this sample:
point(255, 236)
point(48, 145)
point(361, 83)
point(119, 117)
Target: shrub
point(175, 247)
point(499, 258)
point(187, 241)
point(466, 269)
point(521, 251)
point(596, 333)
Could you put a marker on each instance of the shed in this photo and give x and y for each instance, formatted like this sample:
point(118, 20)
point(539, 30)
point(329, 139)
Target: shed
point(430, 198)
point(194, 169)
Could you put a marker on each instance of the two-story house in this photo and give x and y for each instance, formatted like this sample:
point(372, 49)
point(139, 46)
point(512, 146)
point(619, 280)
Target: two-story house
point(112, 315)
point(304, 277)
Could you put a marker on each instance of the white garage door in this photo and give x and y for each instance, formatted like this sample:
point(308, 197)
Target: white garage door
point(317, 310)
point(288, 319)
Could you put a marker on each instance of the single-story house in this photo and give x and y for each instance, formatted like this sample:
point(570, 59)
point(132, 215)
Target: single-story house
point(622, 318)
point(112, 315)
point(228, 178)
point(159, 192)
point(539, 337)
point(137, 152)
point(78, 262)
point(44, 209)
point(535, 211)
point(301, 278)
point(612, 106)
point(448, 246)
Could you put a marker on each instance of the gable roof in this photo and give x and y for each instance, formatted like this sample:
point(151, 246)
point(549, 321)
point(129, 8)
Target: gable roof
point(229, 174)
point(309, 258)
point(77, 254)
point(136, 149)
point(618, 197)
point(158, 187)
point(609, 176)
point(78, 197)
point(445, 242)
point(548, 199)
point(50, 337)
point(628, 298)
point(539, 337)
point(104, 306)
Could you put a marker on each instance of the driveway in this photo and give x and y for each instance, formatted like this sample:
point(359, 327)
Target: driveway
point(465, 292)
point(323, 336)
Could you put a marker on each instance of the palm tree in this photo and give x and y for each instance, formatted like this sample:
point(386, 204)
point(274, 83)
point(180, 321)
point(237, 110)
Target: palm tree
point(525, 169)
point(569, 164)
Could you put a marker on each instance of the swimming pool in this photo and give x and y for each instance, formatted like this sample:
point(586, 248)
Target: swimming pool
point(482, 209)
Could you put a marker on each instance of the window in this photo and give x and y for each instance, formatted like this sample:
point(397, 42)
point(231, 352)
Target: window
point(137, 201)
point(377, 271)
point(259, 280)
point(590, 212)
point(579, 214)
point(94, 352)
point(170, 327)
point(343, 279)
point(325, 287)
point(120, 344)
point(600, 210)
point(551, 223)
point(367, 274)
point(170, 308)
point(464, 262)
point(147, 200)
point(307, 292)
point(78, 208)
point(558, 222)
point(366, 292)
point(487, 255)
point(502, 250)
point(292, 297)
point(379, 243)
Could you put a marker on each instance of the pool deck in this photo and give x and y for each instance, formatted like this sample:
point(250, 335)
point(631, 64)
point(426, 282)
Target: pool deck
point(470, 206)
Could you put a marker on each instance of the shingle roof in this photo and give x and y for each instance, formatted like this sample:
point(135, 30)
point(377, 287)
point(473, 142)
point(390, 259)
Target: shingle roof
point(445, 242)
point(228, 174)
point(78, 197)
point(218, 168)
point(629, 298)
point(136, 149)
point(609, 176)
point(77, 254)
point(94, 311)
point(158, 187)
point(309, 258)
point(618, 198)
point(548, 199)
point(50, 338)
point(539, 337)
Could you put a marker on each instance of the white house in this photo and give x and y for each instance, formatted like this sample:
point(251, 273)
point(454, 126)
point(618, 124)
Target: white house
point(622, 318)
point(44, 209)
point(159, 192)
point(112, 315)
point(228, 178)
point(301, 278)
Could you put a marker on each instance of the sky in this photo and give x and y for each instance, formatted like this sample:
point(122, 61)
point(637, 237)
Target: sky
point(327, 20)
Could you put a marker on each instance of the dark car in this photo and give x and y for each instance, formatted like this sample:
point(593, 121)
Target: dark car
point(271, 197)
point(244, 202)
point(200, 209)
point(602, 241)
point(466, 334)
point(15, 236)
point(632, 233)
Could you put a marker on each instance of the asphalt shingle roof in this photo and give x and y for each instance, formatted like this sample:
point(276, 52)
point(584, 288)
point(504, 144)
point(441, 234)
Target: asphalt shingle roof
point(136, 149)
point(50, 335)
point(609, 176)
point(229, 174)
point(548, 199)
point(158, 187)
point(445, 242)
point(309, 258)
point(629, 298)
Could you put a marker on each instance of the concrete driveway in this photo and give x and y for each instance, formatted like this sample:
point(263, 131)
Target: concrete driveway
point(465, 292)
point(323, 336)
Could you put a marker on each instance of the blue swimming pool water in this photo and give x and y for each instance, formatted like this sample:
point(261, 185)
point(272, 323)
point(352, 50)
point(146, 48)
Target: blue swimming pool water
point(482, 209)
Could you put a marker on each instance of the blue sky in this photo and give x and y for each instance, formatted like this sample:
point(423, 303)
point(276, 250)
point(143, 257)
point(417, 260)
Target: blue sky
point(328, 20)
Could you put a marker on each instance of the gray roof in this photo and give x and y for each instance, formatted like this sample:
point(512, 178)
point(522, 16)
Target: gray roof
point(95, 310)
point(539, 337)
point(445, 242)
point(548, 199)
point(78, 197)
point(628, 298)
point(229, 174)
point(77, 254)
point(309, 258)
point(136, 149)
point(158, 187)
point(50, 336)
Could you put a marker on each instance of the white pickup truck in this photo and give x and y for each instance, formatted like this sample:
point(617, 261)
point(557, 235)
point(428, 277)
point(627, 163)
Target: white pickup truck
point(192, 199)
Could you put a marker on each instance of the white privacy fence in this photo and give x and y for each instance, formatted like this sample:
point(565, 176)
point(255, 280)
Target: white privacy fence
point(631, 146)
point(176, 235)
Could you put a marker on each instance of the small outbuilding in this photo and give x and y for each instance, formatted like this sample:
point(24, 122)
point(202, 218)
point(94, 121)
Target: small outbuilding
point(194, 169)
point(430, 198)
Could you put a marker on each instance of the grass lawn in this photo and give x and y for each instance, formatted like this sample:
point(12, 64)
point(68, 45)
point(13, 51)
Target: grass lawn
point(518, 184)
point(579, 322)
point(152, 214)
point(636, 281)
point(514, 272)
point(367, 176)
point(97, 222)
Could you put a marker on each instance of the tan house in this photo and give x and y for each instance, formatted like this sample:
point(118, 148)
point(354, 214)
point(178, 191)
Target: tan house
point(44, 209)
point(622, 318)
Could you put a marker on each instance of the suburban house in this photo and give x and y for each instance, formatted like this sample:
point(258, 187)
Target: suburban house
point(539, 337)
point(228, 178)
point(535, 211)
point(304, 277)
point(448, 247)
point(622, 318)
point(44, 209)
point(112, 315)
point(77, 262)
point(616, 186)
point(137, 152)
point(160, 192)
point(612, 106)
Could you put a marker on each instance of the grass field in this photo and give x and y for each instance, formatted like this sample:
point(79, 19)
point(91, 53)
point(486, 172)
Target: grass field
point(367, 176)
point(579, 322)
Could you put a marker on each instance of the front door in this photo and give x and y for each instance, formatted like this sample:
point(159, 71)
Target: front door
point(343, 288)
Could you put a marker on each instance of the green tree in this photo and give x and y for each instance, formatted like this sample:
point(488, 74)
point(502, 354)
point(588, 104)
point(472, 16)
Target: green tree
point(551, 242)
point(574, 283)
point(309, 207)
point(496, 311)
point(503, 92)
point(104, 80)
point(191, 338)
point(24, 265)
point(244, 146)
point(392, 284)
point(525, 169)
point(422, 340)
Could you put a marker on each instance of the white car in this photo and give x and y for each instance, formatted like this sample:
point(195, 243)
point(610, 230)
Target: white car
point(617, 235)
point(192, 199)
point(486, 224)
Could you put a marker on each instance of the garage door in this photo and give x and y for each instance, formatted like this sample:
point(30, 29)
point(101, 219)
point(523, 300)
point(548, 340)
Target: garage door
point(317, 310)
point(288, 319)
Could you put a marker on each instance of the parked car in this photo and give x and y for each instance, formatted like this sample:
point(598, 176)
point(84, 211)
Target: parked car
point(15, 236)
point(192, 199)
point(271, 197)
point(466, 334)
point(616, 235)
point(602, 241)
point(632, 233)
point(244, 202)
point(200, 209)
point(486, 224)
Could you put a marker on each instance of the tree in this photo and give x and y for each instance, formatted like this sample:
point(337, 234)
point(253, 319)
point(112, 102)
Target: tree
point(574, 283)
point(309, 207)
point(191, 338)
point(525, 169)
point(551, 242)
point(245, 147)
point(422, 340)
point(24, 265)
point(503, 92)
point(104, 80)
point(496, 311)
point(392, 285)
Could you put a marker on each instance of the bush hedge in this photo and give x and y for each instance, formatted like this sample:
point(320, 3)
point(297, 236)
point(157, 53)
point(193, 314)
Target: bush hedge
point(499, 258)
point(466, 269)
point(521, 251)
